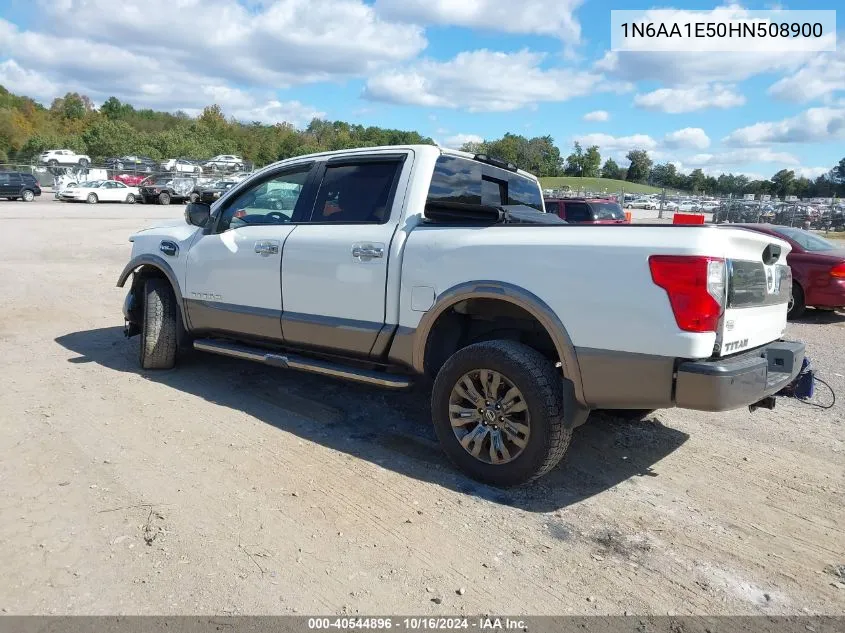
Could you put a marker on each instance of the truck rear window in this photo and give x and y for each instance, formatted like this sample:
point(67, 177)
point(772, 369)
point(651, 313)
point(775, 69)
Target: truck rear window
point(458, 179)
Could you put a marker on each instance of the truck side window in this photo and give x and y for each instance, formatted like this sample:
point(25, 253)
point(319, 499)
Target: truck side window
point(493, 192)
point(269, 201)
point(356, 193)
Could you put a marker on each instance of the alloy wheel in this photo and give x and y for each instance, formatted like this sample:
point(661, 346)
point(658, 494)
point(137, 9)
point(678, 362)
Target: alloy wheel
point(489, 416)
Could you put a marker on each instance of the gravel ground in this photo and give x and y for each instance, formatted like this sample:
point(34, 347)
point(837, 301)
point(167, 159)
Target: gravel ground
point(226, 487)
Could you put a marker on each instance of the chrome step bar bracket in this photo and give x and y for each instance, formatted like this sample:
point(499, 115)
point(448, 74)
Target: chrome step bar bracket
point(325, 368)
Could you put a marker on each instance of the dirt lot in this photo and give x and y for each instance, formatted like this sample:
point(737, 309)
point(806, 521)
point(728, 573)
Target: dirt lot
point(226, 487)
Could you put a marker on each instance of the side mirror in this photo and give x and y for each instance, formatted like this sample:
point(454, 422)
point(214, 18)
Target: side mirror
point(197, 213)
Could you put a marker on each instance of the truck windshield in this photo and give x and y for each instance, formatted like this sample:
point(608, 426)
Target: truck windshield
point(459, 179)
point(607, 211)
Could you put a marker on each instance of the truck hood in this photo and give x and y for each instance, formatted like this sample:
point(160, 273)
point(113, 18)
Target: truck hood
point(174, 229)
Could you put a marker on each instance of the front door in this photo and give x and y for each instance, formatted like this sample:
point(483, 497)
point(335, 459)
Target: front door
point(233, 278)
point(334, 265)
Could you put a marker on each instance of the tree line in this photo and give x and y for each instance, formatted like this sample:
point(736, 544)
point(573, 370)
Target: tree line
point(541, 157)
point(116, 129)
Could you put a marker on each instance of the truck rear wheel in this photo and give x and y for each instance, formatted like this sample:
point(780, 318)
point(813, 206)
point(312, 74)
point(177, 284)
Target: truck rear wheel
point(497, 408)
point(797, 305)
point(161, 326)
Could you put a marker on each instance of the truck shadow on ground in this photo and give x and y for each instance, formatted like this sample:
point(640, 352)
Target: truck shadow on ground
point(391, 429)
point(821, 317)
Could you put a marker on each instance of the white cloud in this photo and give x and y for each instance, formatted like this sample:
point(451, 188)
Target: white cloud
point(821, 77)
point(690, 98)
point(457, 140)
point(741, 157)
point(275, 42)
point(26, 82)
point(811, 126)
point(484, 81)
point(611, 143)
point(811, 172)
point(617, 147)
point(597, 116)
point(189, 53)
point(686, 69)
point(246, 107)
point(539, 17)
point(689, 137)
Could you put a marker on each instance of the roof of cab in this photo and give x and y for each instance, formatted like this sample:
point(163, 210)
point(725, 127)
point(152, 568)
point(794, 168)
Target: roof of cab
point(421, 148)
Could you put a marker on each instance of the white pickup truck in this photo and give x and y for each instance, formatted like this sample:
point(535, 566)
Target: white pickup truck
point(388, 265)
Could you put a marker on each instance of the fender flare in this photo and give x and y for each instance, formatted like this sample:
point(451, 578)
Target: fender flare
point(526, 300)
point(154, 261)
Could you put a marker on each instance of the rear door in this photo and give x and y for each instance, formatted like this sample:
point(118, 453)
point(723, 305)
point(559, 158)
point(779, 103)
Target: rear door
point(334, 266)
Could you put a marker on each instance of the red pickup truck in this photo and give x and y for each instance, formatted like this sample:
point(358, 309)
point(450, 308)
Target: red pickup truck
point(586, 210)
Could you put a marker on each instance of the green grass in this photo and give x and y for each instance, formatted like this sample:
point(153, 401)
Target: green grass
point(597, 185)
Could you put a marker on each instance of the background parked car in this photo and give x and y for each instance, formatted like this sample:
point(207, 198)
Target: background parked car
point(131, 180)
point(586, 210)
point(15, 185)
point(640, 203)
point(166, 188)
point(225, 162)
point(55, 157)
point(138, 163)
point(181, 166)
point(818, 268)
point(100, 191)
point(211, 192)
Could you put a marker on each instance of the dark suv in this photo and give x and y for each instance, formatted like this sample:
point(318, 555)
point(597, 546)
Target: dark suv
point(14, 185)
point(165, 189)
point(586, 210)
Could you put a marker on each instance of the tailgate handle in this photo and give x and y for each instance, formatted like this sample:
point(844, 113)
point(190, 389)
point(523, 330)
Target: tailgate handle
point(771, 254)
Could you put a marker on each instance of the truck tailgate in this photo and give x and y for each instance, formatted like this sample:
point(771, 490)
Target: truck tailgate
point(759, 284)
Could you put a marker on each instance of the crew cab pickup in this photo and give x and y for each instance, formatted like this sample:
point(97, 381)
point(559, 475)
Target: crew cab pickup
point(395, 264)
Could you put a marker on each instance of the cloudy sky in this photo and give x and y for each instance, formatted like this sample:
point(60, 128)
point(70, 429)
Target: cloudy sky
point(455, 70)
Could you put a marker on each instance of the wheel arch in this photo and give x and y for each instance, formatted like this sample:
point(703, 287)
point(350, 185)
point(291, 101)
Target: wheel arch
point(148, 265)
point(508, 293)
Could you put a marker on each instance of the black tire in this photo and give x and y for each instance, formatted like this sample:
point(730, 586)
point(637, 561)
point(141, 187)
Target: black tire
point(120, 166)
point(130, 198)
point(194, 197)
point(52, 162)
point(164, 198)
point(799, 307)
point(92, 198)
point(83, 163)
point(160, 331)
point(12, 199)
point(27, 195)
point(542, 388)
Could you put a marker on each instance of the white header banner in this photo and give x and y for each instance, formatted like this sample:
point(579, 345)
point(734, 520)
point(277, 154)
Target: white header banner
point(726, 29)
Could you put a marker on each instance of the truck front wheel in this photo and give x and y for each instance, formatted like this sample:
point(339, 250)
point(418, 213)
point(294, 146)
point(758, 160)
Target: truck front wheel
point(161, 326)
point(497, 408)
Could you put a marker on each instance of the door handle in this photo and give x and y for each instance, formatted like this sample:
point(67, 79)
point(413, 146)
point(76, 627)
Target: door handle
point(265, 249)
point(366, 252)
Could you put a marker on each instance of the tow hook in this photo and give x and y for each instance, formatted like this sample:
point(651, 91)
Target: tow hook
point(766, 403)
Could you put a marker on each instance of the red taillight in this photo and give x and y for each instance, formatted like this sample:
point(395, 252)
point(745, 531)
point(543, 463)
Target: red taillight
point(838, 271)
point(696, 289)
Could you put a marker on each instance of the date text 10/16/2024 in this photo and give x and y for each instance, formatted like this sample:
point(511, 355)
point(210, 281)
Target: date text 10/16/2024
point(417, 623)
